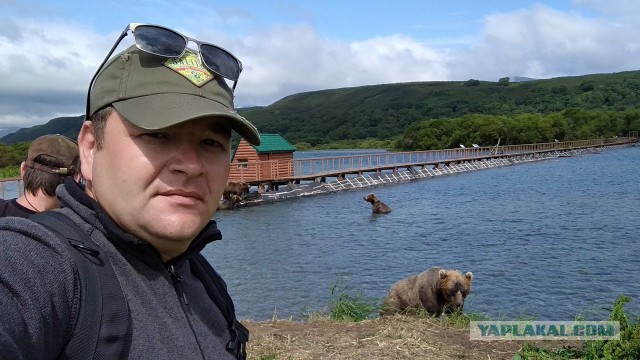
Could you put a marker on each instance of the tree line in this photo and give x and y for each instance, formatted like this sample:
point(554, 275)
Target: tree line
point(486, 130)
point(10, 158)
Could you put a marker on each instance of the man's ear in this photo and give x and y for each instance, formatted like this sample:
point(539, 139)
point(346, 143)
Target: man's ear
point(23, 169)
point(87, 148)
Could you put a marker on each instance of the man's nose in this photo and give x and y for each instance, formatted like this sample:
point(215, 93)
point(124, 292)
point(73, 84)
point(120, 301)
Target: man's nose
point(187, 158)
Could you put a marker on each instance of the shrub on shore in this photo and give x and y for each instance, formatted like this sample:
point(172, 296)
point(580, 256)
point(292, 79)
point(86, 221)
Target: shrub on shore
point(628, 347)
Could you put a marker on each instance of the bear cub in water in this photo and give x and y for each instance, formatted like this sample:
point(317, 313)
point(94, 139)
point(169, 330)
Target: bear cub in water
point(436, 290)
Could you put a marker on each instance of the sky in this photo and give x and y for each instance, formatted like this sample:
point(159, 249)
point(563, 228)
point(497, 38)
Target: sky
point(49, 50)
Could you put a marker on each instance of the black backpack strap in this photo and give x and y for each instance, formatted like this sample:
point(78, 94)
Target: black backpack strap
point(3, 206)
point(217, 290)
point(101, 294)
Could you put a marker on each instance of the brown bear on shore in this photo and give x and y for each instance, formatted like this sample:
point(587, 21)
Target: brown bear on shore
point(377, 206)
point(436, 290)
point(229, 204)
point(236, 188)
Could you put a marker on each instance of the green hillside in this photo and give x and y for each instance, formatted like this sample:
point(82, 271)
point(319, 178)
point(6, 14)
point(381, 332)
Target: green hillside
point(67, 126)
point(385, 112)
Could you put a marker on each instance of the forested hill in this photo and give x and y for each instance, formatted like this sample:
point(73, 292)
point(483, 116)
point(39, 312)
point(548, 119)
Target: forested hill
point(67, 126)
point(385, 111)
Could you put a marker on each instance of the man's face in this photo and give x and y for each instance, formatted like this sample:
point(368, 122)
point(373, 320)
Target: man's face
point(160, 185)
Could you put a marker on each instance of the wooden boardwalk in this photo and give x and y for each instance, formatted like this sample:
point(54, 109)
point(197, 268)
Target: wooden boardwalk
point(321, 170)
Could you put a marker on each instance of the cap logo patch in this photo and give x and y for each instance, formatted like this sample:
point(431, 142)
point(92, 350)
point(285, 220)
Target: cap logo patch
point(190, 66)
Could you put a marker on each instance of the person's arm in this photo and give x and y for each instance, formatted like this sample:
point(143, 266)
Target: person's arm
point(38, 291)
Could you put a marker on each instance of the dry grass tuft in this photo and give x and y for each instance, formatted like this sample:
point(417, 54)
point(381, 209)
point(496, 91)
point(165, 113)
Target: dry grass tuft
point(390, 337)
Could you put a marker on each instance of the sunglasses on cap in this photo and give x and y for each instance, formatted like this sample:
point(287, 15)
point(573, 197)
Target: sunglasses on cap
point(162, 41)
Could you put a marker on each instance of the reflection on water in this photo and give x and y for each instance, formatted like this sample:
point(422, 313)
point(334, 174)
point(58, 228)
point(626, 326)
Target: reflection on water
point(552, 239)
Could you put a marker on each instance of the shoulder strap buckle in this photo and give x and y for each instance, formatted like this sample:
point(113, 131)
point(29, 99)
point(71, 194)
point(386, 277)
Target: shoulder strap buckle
point(239, 338)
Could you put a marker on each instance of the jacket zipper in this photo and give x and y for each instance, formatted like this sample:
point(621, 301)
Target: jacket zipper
point(177, 280)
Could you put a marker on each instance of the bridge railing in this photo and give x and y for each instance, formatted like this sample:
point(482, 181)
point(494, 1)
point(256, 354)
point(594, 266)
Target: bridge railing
point(10, 187)
point(319, 166)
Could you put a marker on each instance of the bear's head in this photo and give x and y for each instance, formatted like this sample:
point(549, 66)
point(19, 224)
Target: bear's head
point(372, 198)
point(454, 288)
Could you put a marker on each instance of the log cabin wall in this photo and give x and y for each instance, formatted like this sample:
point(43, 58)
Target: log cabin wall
point(272, 160)
point(276, 166)
point(244, 164)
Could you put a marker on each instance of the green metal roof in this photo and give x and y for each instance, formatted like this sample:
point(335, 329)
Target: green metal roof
point(270, 143)
point(273, 143)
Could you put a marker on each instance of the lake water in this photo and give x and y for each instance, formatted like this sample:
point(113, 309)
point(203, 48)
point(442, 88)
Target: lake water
point(551, 239)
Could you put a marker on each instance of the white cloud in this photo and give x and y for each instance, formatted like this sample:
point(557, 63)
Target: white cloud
point(45, 70)
point(46, 66)
point(53, 56)
point(286, 60)
point(398, 59)
point(541, 42)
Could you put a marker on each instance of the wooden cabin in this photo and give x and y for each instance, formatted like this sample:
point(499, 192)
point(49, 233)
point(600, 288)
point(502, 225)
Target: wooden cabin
point(272, 160)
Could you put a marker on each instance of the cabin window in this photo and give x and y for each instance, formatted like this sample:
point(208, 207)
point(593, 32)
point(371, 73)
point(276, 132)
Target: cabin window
point(243, 164)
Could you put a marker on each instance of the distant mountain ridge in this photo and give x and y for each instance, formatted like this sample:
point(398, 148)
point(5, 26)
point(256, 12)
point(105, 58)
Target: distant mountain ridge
point(8, 130)
point(385, 111)
point(67, 126)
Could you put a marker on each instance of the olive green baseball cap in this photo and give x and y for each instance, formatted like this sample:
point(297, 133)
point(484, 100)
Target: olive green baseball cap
point(154, 92)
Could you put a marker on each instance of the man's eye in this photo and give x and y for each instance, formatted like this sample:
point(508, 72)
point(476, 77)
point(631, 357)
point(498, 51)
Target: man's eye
point(212, 142)
point(155, 135)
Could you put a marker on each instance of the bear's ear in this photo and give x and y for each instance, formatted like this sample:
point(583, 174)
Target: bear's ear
point(469, 275)
point(443, 273)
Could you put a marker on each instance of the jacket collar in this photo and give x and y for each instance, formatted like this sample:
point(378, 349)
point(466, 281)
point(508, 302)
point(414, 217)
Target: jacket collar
point(124, 240)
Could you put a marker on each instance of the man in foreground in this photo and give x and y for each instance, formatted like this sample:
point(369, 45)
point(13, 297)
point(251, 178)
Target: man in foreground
point(50, 159)
point(155, 157)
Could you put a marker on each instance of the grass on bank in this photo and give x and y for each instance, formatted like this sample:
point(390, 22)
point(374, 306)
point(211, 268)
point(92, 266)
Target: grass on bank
point(350, 307)
point(628, 347)
point(394, 336)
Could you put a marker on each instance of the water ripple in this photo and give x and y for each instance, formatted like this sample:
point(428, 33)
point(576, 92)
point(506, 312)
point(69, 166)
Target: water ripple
point(551, 239)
